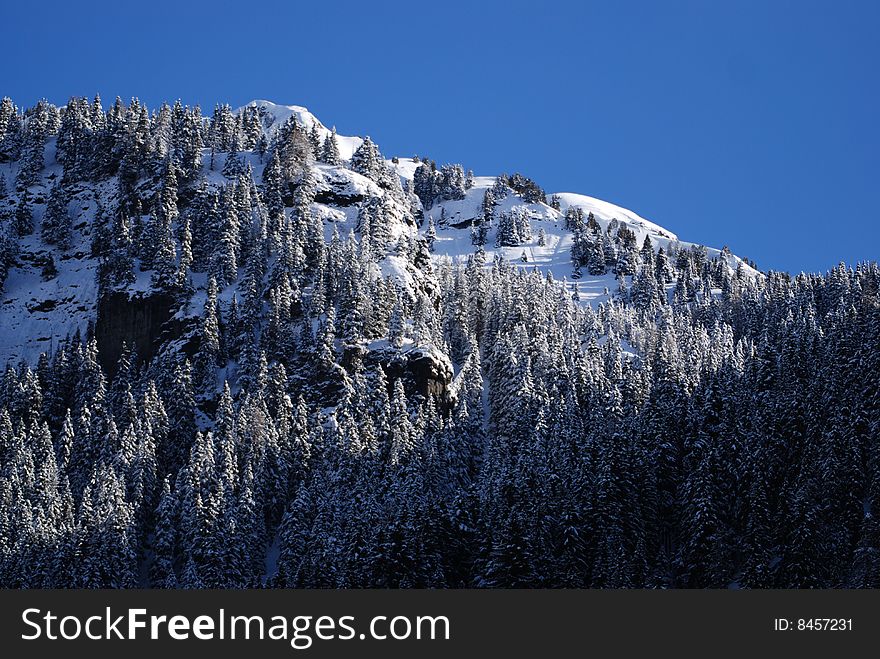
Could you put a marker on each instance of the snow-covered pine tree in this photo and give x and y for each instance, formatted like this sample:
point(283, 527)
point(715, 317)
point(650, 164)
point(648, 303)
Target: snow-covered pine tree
point(330, 149)
point(56, 226)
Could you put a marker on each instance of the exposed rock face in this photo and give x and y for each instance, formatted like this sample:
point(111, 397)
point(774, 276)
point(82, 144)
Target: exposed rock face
point(425, 371)
point(335, 197)
point(138, 321)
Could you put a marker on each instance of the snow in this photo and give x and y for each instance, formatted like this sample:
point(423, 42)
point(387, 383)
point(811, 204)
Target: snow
point(455, 244)
point(405, 167)
point(35, 314)
point(281, 113)
point(344, 182)
point(454, 240)
point(278, 114)
point(605, 211)
point(395, 267)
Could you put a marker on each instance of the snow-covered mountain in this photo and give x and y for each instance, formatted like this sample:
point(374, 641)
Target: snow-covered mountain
point(453, 238)
point(246, 351)
point(39, 312)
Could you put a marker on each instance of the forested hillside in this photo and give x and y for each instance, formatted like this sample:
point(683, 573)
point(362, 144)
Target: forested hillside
point(243, 350)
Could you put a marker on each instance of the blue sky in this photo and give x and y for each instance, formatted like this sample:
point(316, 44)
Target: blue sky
point(751, 124)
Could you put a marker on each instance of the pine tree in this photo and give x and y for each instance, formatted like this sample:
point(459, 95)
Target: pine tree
point(225, 263)
point(8, 252)
point(22, 221)
point(294, 149)
point(209, 341)
point(106, 548)
point(37, 127)
point(330, 150)
point(163, 254)
point(182, 278)
point(431, 234)
point(56, 225)
point(162, 572)
point(10, 129)
point(368, 162)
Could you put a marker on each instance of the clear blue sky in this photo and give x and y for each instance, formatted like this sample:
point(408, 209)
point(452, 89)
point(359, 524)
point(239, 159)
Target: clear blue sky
point(751, 124)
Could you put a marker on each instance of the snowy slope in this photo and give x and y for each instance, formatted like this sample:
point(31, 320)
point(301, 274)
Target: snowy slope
point(275, 115)
point(605, 211)
point(454, 239)
point(455, 243)
point(37, 314)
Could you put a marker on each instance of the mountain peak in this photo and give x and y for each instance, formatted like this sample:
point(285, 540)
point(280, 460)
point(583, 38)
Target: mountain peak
point(279, 113)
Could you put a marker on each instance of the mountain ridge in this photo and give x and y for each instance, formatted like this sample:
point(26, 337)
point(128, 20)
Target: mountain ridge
point(39, 316)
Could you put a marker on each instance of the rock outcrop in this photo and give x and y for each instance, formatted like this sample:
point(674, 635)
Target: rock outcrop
point(141, 321)
point(425, 371)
